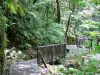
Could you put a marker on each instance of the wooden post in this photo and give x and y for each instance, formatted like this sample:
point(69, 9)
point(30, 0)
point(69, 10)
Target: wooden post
point(42, 59)
point(37, 54)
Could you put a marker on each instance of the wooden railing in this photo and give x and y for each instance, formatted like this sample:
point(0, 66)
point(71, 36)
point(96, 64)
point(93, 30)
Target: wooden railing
point(49, 52)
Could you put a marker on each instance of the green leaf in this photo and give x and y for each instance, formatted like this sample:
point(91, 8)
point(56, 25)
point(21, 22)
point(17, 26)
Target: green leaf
point(75, 1)
point(20, 10)
point(95, 1)
point(82, 4)
point(8, 1)
point(12, 8)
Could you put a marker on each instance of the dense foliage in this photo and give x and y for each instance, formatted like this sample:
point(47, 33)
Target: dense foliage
point(25, 23)
point(30, 23)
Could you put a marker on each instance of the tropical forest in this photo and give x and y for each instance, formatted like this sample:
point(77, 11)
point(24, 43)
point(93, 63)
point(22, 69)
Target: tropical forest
point(49, 37)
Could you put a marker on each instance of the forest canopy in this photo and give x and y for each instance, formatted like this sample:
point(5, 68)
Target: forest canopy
point(47, 21)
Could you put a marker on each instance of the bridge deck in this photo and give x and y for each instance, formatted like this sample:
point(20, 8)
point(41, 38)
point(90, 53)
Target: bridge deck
point(74, 50)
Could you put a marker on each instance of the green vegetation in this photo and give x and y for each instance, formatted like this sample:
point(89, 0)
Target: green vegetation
point(90, 69)
point(27, 23)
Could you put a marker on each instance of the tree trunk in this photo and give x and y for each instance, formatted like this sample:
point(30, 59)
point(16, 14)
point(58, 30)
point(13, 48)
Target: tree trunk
point(68, 22)
point(67, 25)
point(58, 11)
point(2, 55)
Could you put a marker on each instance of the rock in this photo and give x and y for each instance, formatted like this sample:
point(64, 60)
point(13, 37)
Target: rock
point(42, 66)
point(98, 57)
point(69, 65)
point(24, 68)
point(45, 71)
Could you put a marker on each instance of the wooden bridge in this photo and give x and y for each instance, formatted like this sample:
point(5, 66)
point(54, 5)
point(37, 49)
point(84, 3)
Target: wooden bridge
point(50, 52)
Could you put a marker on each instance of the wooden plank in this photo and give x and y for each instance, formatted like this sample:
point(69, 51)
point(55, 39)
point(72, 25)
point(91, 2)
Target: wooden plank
point(49, 52)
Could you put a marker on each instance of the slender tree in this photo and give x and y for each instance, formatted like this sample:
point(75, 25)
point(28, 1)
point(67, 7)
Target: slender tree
point(58, 11)
point(69, 18)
